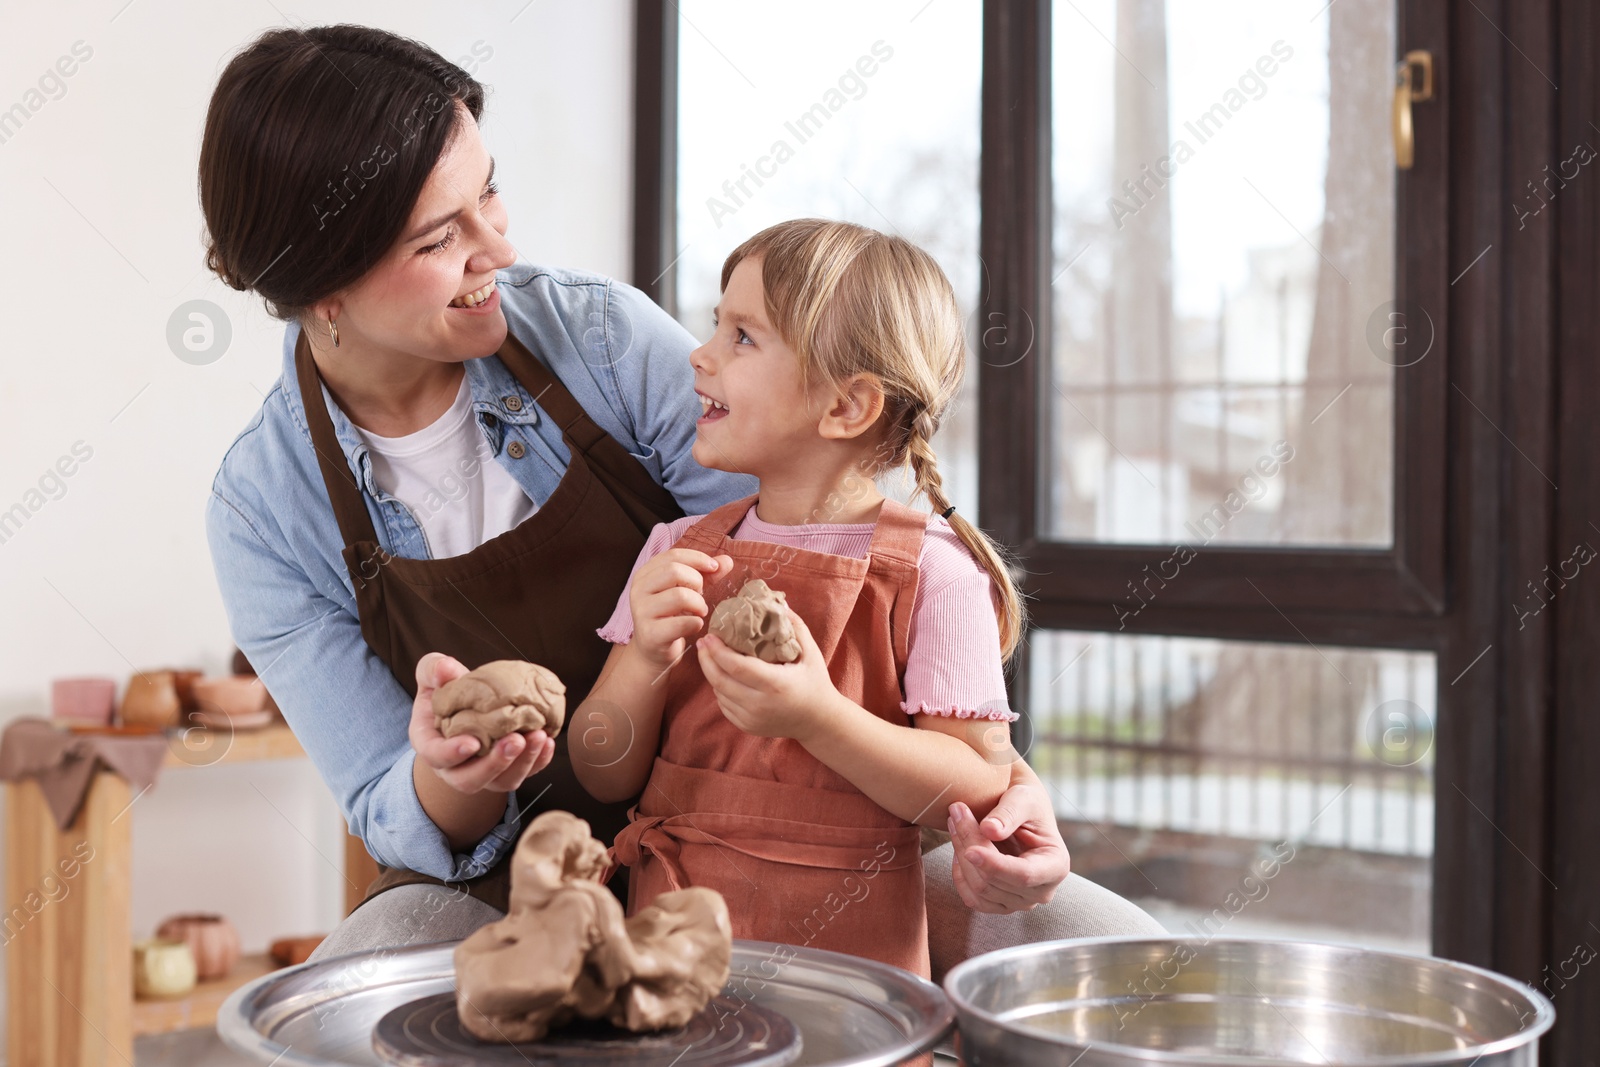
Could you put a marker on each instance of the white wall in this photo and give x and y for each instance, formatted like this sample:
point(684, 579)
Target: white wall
point(101, 242)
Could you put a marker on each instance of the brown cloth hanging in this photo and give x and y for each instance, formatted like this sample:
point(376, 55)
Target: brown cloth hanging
point(64, 763)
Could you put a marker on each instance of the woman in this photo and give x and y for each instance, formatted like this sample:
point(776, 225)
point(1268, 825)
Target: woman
point(460, 463)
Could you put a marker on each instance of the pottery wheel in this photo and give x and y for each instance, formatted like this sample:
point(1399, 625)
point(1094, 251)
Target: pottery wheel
point(728, 1032)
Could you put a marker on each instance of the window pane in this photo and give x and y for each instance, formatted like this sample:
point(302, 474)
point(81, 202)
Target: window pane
point(867, 113)
point(1224, 248)
point(1180, 767)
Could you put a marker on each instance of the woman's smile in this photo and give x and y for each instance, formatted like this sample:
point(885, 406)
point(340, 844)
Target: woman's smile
point(486, 305)
point(477, 299)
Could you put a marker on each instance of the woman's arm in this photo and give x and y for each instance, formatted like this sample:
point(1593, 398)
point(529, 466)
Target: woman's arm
point(666, 597)
point(915, 774)
point(342, 702)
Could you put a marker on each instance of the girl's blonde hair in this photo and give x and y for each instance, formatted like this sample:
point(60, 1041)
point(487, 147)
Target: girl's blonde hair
point(850, 300)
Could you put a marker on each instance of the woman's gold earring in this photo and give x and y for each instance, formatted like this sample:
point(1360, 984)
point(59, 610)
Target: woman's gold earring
point(333, 331)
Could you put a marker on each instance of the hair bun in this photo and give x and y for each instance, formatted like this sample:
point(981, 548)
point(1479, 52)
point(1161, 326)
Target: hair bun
point(215, 264)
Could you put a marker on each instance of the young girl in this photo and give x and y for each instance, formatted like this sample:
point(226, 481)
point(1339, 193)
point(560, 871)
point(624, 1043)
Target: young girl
point(797, 789)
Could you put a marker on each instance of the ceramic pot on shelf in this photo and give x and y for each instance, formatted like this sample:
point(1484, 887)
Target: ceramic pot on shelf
point(241, 665)
point(183, 681)
point(239, 701)
point(152, 699)
point(163, 968)
point(289, 951)
point(87, 700)
point(212, 940)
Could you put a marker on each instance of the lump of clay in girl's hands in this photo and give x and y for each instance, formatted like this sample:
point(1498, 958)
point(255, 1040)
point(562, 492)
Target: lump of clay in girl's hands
point(499, 698)
point(753, 622)
point(564, 951)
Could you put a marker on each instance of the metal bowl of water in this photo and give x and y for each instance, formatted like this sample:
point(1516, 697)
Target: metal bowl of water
point(1237, 1003)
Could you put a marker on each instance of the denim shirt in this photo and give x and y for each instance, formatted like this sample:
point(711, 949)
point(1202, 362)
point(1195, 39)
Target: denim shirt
point(275, 543)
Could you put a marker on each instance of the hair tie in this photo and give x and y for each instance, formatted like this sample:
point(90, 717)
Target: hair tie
point(947, 511)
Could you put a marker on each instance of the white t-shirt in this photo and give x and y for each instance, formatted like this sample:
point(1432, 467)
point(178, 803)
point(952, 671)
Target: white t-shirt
point(446, 474)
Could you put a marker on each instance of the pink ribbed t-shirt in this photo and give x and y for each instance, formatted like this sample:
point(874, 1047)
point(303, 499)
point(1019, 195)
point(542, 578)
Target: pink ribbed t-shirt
point(953, 664)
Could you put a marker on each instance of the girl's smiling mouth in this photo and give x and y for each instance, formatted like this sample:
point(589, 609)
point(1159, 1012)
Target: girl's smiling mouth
point(711, 410)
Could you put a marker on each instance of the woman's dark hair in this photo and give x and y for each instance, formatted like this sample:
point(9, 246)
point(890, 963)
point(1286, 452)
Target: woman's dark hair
point(317, 143)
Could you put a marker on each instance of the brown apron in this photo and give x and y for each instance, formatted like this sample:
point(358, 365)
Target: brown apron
point(801, 855)
point(537, 592)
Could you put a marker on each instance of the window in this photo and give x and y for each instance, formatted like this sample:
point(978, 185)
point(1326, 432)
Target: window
point(1224, 228)
point(1177, 763)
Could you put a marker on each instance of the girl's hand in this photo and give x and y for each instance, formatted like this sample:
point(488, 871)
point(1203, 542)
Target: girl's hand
point(771, 699)
point(456, 760)
point(667, 597)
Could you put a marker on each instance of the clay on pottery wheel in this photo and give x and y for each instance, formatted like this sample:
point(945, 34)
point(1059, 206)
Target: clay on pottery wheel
point(682, 945)
point(499, 698)
point(564, 950)
point(753, 622)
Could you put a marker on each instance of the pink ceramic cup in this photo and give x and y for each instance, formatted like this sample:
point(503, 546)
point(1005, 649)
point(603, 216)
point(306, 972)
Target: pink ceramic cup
point(83, 699)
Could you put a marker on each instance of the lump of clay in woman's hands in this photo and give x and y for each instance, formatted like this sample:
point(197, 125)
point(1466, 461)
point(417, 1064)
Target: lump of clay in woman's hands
point(499, 698)
point(564, 951)
point(753, 622)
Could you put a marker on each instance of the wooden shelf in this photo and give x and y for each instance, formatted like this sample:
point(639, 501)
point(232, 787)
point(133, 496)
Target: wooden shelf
point(69, 956)
point(267, 742)
point(198, 1008)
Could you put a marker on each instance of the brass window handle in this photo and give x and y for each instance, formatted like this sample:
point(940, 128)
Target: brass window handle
point(1406, 93)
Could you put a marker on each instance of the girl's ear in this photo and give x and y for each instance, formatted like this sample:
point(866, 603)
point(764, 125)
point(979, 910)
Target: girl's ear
point(857, 403)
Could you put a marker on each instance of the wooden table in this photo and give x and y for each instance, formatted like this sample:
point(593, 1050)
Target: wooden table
point(69, 940)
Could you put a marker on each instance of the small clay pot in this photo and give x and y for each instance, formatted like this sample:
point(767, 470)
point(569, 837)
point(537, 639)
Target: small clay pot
point(241, 665)
point(83, 699)
point(162, 968)
point(238, 697)
point(183, 681)
point(152, 700)
point(289, 951)
point(212, 940)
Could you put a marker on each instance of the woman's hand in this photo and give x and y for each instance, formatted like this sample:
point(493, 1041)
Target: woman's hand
point(1015, 858)
point(667, 597)
point(456, 760)
point(771, 699)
